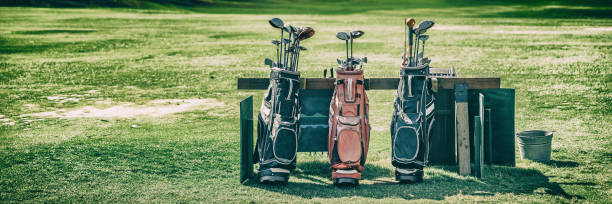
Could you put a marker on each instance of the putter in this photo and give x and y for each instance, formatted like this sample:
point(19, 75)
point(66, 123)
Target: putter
point(278, 23)
point(410, 23)
point(345, 37)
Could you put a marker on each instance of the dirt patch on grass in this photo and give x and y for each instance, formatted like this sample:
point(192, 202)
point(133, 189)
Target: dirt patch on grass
point(154, 108)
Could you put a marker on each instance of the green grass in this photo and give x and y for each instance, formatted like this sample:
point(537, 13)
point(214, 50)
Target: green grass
point(556, 55)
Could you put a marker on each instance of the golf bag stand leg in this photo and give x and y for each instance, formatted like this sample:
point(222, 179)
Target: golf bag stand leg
point(277, 127)
point(349, 128)
point(413, 117)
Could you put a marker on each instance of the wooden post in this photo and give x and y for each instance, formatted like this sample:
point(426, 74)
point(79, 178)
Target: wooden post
point(462, 132)
point(478, 137)
point(477, 147)
point(489, 126)
point(246, 139)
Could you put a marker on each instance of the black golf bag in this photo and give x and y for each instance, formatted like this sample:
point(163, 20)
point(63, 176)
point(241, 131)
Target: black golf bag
point(277, 127)
point(413, 117)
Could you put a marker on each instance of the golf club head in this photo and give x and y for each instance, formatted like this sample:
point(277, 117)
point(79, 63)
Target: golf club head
point(276, 22)
point(303, 48)
point(269, 62)
point(305, 33)
point(424, 38)
point(410, 22)
point(423, 26)
point(356, 34)
point(290, 28)
point(342, 36)
point(364, 59)
point(275, 42)
point(286, 41)
point(340, 61)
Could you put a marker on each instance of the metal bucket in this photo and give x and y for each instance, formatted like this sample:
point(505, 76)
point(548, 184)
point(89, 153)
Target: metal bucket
point(535, 145)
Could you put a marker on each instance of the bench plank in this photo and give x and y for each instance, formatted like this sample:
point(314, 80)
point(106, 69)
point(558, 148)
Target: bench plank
point(373, 83)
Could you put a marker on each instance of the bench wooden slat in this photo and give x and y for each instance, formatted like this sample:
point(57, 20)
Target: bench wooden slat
point(374, 83)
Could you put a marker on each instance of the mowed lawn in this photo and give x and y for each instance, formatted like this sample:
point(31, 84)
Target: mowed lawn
point(137, 105)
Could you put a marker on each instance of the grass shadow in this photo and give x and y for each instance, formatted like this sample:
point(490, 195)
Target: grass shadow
point(44, 32)
point(16, 45)
point(563, 13)
point(562, 164)
point(439, 183)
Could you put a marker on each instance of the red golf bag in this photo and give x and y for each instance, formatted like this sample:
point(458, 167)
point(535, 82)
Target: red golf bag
point(349, 127)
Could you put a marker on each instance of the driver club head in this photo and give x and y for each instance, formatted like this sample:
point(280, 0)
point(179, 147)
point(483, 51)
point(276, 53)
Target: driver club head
point(423, 26)
point(342, 36)
point(276, 22)
point(356, 34)
point(305, 33)
point(275, 42)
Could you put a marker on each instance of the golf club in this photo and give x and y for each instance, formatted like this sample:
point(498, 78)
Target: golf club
point(303, 34)
point(286, 42)
point(354, 35)
point(423, 38)
point(278, 23)
point(291, 30)
point(277, 43)
point(345, 37)
point(410, 23)
point(423, 26)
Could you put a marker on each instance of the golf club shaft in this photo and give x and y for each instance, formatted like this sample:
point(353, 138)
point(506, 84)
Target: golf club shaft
point(346, 62)
point(404, 56)
point(351, 47)
point(416, 51)
point(278, 61)
point(278, 53)
point(410, 45)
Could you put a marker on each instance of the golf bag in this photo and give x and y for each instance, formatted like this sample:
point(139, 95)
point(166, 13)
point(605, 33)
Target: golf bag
point(277, 127)
point(349, 127)
point(413, 117)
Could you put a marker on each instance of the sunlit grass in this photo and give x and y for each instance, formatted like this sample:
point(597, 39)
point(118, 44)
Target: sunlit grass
point(559, 65)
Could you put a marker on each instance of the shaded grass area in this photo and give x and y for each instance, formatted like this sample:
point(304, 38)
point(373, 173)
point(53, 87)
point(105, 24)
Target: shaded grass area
point(556, 56)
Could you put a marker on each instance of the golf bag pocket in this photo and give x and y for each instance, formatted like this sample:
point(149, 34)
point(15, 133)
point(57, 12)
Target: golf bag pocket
point(284, 138)
point(349, 139)
point(408, 105)
point(406, 143)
